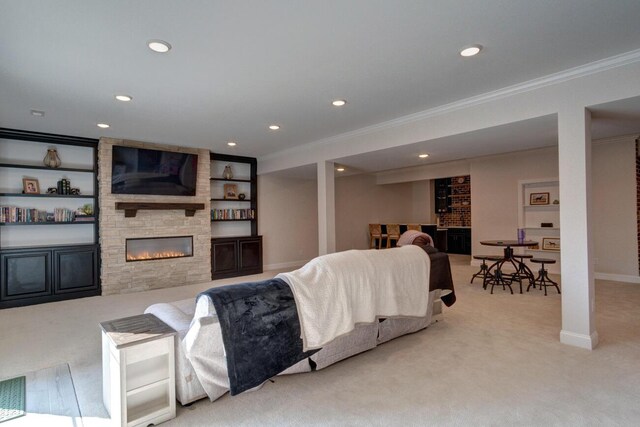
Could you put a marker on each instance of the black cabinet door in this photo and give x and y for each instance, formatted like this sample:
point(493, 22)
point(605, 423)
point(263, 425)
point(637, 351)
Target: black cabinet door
point(75, 269)
point(467, 242)
point(459, 241)
point(250, 260)
point(25, 274)
point(224, 257)
point(441, 240)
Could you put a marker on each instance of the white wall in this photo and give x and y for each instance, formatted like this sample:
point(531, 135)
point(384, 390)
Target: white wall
point(359, 201)
point(288, 207)
point(422, 211)
point(614, 208)
point(494, 192)
point(287, 220)
point(494, 199)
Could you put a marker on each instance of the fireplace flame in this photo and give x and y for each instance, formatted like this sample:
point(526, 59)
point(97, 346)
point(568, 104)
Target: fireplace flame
point(155, 255)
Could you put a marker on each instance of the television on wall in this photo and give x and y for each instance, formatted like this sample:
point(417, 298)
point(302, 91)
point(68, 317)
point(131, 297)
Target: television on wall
point(143, 171)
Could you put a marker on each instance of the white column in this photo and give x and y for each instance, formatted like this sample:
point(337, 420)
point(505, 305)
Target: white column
point(326, 208)
point(574, 164)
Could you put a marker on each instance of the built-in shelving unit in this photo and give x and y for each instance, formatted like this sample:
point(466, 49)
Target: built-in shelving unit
point(39, 260)
point(236, 247)
point(532, 216)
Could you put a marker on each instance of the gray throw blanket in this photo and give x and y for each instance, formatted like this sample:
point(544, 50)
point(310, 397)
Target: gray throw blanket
point(260, 331)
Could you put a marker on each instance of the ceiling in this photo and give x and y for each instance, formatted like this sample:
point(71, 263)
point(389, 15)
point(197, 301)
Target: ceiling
point(237, 67)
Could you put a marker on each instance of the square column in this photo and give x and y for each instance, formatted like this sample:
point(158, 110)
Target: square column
point(326, 208)
point(578, 288)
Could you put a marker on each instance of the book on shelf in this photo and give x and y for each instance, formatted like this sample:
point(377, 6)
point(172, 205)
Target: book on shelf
point(229, 214)
point(13, 214)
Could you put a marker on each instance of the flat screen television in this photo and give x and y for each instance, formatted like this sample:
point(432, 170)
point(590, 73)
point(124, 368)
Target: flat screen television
point(143, 171)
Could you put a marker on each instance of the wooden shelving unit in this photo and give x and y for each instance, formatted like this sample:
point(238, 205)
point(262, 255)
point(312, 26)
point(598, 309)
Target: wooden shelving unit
point(42, 264)
point(236, 247)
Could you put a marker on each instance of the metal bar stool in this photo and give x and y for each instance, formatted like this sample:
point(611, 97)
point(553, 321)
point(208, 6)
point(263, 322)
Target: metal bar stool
point(483, 268)
point(523, 271)
point(496, 277)
point(543, 279)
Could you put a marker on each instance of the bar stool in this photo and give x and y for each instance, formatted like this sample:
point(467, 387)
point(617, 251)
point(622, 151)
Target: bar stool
point(483, 267)
point(375, 232)
point(416, 227)
point(523, 271)
point(393, 233)
point(543, 278)
point(496, 278)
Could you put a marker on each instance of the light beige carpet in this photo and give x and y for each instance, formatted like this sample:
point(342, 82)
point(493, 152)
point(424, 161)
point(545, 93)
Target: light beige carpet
point(493, 360)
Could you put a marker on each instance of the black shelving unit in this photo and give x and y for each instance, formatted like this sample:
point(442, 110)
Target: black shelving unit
point(49, 271)
point(237, 255)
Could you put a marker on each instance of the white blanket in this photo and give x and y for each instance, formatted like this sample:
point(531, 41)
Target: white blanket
point(335, 292)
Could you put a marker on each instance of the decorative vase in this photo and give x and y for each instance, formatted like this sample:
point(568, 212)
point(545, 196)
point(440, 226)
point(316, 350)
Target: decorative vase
point(51, 160)
point(227, 174)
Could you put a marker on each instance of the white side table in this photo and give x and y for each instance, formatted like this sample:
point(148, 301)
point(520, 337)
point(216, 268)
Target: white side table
point(138, 371)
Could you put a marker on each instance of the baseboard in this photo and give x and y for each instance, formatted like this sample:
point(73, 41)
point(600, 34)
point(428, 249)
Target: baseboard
point(617, 277)
point(588, 342)
point(285, 265)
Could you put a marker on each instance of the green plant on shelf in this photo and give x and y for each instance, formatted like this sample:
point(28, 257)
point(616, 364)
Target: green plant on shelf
point(86, 209)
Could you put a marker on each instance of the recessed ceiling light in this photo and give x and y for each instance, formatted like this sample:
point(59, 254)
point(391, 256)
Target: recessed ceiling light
point(231, 144)
point(123, 98)
point(159, 46)
point(103, 125)
point(274, 127)
point(423, 156)
point(472, 50)
point(339, 103)
point(340, 169)
point(37, 113)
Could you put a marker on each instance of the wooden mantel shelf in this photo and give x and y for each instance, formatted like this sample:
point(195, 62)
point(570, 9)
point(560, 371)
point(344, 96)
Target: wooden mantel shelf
point(132, 208)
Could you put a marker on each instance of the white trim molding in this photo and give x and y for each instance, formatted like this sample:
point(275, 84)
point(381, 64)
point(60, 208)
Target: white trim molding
point(588, 342)
point(285, 265)
point(626, 278)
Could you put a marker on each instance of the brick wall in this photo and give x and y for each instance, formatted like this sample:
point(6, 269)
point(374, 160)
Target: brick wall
point(119, 276)
point(460, 214)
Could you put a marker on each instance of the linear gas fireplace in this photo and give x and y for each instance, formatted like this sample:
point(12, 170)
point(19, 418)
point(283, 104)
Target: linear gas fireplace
point(149, 248)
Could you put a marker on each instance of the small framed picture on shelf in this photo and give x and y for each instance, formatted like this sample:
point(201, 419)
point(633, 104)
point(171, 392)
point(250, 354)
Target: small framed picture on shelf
point(30, 186)
point(550, 244)
point(539, 199)
point(231, 191)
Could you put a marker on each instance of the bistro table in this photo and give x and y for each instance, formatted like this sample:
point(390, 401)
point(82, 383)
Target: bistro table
point(498, 277)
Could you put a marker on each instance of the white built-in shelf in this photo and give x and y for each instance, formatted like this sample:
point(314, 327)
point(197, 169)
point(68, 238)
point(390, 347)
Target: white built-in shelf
point(530, 216)
point(542, 228)
point(541, 251)
point(542, 207)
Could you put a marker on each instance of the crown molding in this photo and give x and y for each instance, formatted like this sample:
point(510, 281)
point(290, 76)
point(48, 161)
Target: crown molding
point(541, 82)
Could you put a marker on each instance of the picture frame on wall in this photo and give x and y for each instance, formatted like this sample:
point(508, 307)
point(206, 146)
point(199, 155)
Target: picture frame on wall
point(550, 244)
point(30, 186)
point(536, 199)
point(231, 191)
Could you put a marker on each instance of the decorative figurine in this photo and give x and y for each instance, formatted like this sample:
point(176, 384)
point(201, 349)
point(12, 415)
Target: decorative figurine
point(227, 174)
point(241, 196)
point(51, 160)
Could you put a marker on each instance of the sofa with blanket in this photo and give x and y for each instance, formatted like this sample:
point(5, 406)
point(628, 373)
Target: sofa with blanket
point(202, 365)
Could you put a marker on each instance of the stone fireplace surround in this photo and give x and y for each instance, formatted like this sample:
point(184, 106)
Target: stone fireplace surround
point(120, 276)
